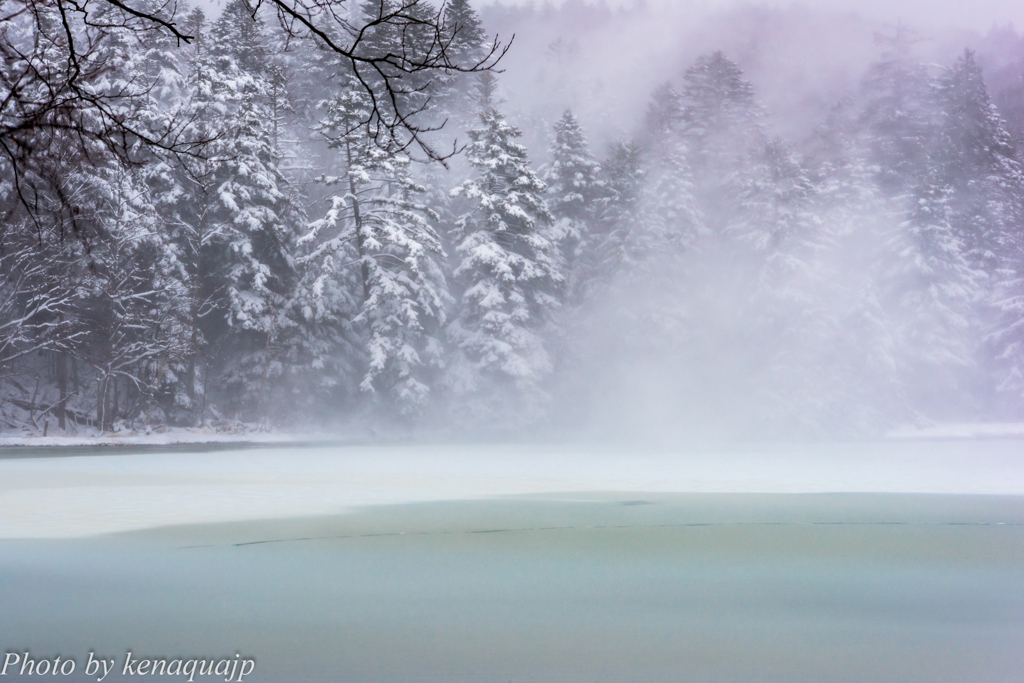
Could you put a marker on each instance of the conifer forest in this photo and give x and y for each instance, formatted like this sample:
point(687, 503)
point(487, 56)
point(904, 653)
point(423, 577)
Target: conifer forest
point(419, 218)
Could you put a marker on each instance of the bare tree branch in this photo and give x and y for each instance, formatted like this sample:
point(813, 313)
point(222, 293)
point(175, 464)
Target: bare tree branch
point(51, 58)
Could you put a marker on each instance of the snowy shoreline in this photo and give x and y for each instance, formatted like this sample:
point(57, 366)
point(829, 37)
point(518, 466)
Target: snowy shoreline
point(169, 438)
point(172, 436)
point(257, 439)
point(97, 493)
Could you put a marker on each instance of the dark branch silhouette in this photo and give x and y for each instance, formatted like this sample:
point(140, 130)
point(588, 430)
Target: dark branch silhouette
point(53, 63)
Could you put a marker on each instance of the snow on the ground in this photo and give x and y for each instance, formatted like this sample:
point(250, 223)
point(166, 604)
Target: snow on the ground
point(85, 495)
point(185, 436)
point(164, 438)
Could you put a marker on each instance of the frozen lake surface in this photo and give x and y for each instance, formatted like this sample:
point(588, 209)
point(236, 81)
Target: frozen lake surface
point(874, 562)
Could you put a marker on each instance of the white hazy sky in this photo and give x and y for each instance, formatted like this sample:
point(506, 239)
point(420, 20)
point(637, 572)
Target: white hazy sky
point(972, 14)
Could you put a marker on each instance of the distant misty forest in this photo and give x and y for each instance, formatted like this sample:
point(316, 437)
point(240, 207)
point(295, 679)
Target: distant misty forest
point(349, 215)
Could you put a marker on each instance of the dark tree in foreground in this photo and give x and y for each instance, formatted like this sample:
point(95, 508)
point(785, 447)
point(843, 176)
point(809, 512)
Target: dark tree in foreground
point(55, 60)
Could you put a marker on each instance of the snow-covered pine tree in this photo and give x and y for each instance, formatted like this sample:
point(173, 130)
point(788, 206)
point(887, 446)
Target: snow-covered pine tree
point(655, 279)
point(257, 224)
point(721, 127)
point(851, 360)
point(408, 292)
point(399, 29)
point(944, 153)
point(509, 276)
point(975, 155)
point(664, 115)
point(789, 304)
point(897, 115)
point(469, 46)
point(1008, 95)
point(669, 220)
point(623, 177)
point(169, 186)
point(773, 196)
point(181, 190)
point(1008, 335)
point(575, 191)
point(238, 36)
point(933, 292)
point(716, 96)
point(377, 221)
point(469, 42)
point(141, 294)
point(236, 222)
point(573, 176)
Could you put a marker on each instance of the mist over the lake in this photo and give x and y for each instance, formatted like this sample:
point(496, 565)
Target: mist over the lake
point(644, 221)
point(799, 338)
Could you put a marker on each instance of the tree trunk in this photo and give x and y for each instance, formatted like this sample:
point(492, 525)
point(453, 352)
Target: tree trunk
point(101, 395)
point(104, 409)
point(62, 387)
point(114, 402)
point(357, 217)
point(266, 367)
point(206, 379)
point(192, 381)
point(191, 384)
point(196, 293)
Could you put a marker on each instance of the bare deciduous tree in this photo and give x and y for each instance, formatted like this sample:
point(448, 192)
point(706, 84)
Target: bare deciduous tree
point(56, 56)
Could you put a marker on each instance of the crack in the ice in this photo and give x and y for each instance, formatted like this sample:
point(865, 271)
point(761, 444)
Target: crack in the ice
point(589, 527)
